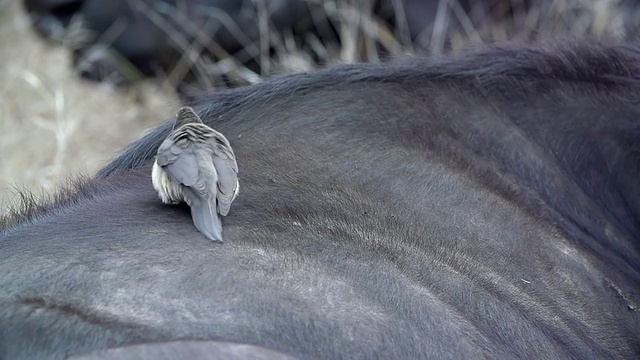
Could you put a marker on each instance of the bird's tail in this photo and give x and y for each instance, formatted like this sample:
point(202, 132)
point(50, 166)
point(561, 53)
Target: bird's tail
point(206, 219)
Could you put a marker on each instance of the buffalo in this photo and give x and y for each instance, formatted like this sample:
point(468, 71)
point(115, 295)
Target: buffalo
point(479, 205)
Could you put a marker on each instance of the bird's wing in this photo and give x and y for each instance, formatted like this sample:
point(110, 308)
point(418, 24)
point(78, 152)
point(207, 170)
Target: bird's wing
point(224, 161)
point(179, 163)
point(166, 153)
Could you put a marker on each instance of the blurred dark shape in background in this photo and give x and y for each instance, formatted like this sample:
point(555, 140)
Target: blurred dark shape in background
point(211, 43)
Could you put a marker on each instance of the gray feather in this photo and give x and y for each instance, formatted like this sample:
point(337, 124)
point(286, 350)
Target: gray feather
point(225, 163)
point(206, 220)
point(184, 169)
point(165, 155)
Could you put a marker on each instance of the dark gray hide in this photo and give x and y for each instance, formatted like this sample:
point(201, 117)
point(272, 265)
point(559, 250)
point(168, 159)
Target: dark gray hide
point(480, 206)
point(188, 350)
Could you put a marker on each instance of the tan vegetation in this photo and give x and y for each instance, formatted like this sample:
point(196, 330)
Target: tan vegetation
point(52, 124)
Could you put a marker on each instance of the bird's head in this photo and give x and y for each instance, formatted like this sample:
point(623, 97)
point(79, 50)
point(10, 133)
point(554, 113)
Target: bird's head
point(186, 115)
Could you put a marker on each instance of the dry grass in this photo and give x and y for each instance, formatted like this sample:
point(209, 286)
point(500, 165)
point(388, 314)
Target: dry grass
point(52, 124)
point(364, 37)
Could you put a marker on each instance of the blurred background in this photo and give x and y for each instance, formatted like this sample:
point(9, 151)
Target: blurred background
point(80, 79)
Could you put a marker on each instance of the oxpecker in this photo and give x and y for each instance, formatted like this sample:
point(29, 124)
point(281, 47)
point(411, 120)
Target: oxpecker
point(196, 164)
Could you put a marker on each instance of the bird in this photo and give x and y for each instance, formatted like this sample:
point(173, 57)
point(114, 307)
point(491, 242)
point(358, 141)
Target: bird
point(196, 164)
